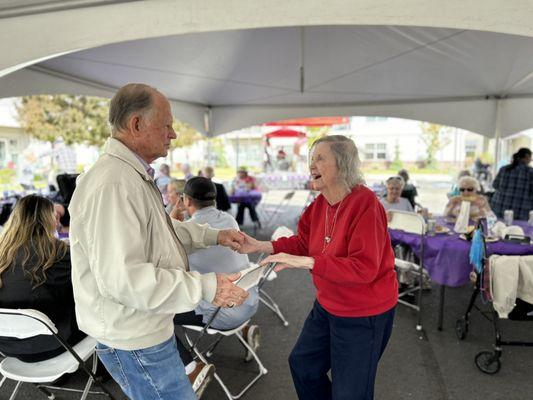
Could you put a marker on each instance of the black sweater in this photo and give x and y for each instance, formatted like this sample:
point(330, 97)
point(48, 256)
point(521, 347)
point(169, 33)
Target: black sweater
point(54, 298)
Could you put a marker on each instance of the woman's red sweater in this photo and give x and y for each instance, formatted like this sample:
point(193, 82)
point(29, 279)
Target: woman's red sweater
point(353, 274)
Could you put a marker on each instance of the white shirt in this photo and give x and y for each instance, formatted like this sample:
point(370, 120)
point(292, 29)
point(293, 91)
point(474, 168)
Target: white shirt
point(402, 205)
point(221, 260)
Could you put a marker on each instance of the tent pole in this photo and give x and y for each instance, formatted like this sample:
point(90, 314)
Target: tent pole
point(237, 153)
point(497, 136)
point(302, 59)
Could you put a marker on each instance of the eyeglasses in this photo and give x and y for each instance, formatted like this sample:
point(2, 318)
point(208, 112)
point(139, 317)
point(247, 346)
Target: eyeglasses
point(466, 189)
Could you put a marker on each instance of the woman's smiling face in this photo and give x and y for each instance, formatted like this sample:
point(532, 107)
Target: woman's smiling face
point(323, 167)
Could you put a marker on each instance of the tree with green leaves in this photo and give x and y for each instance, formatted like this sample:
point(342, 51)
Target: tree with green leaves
point(186, 135)
point(77, 119)
point(435, 138)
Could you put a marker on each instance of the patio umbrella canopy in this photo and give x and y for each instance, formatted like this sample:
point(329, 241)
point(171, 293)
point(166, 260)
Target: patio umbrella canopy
point(317, 121)
point(228, 65)
point(285, 133)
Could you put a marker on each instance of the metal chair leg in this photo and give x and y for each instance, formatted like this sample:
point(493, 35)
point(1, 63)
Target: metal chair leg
point(15, 391)
point(272, 305)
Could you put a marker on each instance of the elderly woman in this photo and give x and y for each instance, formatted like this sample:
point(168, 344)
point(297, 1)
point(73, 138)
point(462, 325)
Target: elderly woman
point(175, 207)
point(468, 188)
point(343, 241)
point(393, 199)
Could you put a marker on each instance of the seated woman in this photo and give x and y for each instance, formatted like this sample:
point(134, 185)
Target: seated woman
point(35, 273)
point(393, 199)
point(454, 191)
point(175, 195)
point(468, 189)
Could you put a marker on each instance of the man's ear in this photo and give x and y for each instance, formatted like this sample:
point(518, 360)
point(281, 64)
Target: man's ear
point(134, 124)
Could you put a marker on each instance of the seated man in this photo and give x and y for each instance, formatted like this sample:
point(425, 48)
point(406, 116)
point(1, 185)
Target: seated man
point(200, 195)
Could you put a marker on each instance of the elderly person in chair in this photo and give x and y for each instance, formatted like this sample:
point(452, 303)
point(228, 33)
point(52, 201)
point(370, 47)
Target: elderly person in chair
point(199, 200)
point(468, 189)
point(393, 199)
point(343, 242)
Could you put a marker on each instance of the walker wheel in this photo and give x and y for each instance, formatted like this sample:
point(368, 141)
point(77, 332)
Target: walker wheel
point(461, 328)
point(488, 362)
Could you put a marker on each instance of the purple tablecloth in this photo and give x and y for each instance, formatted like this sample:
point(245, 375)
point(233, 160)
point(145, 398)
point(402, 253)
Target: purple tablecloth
point(446, 256)
point(250, 197)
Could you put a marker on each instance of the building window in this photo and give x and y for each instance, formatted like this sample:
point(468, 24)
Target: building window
point(375, 151)
point(470, 149)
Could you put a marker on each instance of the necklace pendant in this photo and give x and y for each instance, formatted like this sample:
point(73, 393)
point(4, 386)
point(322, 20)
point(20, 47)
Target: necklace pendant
point(327, 239)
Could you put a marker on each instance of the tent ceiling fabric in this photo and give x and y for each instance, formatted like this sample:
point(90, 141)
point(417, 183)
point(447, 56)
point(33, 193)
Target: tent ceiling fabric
point(253, 76)
point(231, 64)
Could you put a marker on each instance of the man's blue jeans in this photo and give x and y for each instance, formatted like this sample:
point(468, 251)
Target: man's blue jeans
point(156, 372)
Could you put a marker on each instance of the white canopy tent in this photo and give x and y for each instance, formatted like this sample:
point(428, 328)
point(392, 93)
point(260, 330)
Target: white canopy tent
point(227, 65)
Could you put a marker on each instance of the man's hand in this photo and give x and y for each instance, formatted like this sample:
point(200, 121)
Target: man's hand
point(228, 294)
point(231, 238)
point(252, 245)
point(289, 261)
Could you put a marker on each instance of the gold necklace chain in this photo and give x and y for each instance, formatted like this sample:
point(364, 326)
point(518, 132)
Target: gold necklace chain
point(329, 238)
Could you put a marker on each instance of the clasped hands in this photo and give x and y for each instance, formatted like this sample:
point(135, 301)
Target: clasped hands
point(283, 260)
point(228, 294)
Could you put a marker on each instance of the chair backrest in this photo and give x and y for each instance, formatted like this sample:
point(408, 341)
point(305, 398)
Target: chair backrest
point(282, 231)
point(300, 199)
point(274, 197)
point(407, 221)
point(24, 323)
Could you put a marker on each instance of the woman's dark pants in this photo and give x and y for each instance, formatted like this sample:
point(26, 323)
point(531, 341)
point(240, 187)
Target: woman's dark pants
point(349, 347)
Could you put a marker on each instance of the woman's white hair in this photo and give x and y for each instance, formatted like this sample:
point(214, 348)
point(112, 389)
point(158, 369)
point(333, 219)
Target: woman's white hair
point(347, 158)
point(469, 181)
point(396, 180)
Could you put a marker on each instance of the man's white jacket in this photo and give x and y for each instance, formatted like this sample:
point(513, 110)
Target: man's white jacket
point(129, 270)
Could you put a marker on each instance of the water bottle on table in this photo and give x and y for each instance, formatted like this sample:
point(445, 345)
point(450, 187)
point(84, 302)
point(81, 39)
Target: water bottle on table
point(508, 216)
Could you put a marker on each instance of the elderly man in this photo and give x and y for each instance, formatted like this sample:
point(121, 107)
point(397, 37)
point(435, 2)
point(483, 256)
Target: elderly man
point(200, 194)
point(130, 271)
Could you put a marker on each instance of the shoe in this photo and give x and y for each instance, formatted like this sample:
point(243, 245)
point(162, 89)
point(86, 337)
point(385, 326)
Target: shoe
point(200, 377)
point(252, 336)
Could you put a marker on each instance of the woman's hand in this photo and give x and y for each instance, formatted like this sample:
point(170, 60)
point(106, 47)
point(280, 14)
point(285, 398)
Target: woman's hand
point(285, 260)
point(252, 245)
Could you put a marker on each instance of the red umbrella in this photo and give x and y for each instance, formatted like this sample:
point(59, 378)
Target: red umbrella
point(314, 121)
point(285, 133)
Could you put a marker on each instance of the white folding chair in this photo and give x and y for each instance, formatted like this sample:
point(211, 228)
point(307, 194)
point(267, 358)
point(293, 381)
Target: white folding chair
point(237, 332)
point(274, 205)
point(411, 223)
point(27, 323)
point(264, 297)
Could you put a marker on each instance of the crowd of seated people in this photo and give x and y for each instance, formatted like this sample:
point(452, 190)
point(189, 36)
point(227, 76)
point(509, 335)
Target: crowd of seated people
point(35, 273)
